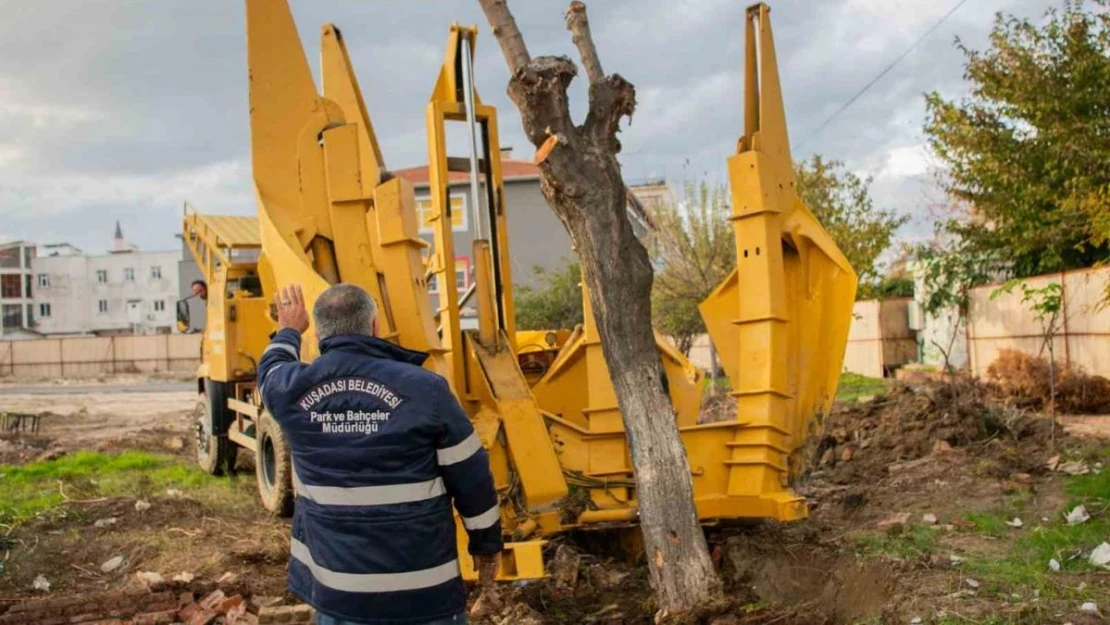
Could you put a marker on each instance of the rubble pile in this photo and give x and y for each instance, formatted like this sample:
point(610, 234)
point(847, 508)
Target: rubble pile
point(160, 607)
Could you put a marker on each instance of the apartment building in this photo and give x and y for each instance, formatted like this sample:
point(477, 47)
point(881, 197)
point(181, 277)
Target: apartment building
point(125, 291)
point(536, 236)
point(16, 289)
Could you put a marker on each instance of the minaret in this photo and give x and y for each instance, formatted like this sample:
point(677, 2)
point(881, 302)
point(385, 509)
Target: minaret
point(119, 245)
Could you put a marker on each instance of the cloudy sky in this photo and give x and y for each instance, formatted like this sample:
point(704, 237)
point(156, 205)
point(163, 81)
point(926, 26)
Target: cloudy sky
point(124, 109)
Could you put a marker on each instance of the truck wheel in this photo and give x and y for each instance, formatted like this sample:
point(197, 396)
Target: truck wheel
point(273, 468)
point(215, 453)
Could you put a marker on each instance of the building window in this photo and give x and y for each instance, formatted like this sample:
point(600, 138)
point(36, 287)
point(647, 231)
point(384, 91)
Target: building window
point(159, 305)
point(128, 274)
point(462, 273)
point(462, 276)
point(9, 258)
point(11, 285)
point(44, 310)
point(102, 306)
point(102, 276)
point(156, 272)
point(425, 211)
point(27, 285)
point(44, 281)
point(13, 315)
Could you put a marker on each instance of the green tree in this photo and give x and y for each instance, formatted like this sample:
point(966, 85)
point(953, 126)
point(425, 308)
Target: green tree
point(554, 302)
point(693, 245)
point(947, 277)
point(887, 287)
point(1029, 148)
point(840, 200)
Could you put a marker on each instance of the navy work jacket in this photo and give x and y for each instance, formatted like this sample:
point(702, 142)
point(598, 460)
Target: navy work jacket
point(380, 449)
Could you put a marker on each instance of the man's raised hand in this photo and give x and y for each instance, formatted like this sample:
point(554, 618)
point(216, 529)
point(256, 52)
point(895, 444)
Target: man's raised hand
point(291, 311)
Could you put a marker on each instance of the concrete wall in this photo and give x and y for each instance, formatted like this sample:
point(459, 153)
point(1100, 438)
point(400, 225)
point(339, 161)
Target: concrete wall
point(536, 236)
point(78, 357)
point(62, 294)
point(880, 337)
point(1004, 322)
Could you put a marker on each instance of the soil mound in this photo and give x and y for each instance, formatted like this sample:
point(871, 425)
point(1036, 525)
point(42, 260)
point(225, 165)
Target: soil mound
point(862, 440)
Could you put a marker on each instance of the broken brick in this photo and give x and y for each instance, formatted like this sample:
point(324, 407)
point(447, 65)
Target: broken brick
point(187, 612)
point(229, 604)
point(202, 617)
point(213, 600)
point(155, 618)
point(288, 614)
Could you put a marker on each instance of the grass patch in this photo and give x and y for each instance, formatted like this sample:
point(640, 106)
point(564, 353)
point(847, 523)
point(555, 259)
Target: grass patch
point(914, 542)
point(721, 384)
point(1026, 564)
point(852, 386)
point(989, 524)
point(28, 490)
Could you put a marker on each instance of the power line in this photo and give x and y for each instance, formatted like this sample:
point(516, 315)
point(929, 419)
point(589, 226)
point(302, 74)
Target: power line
point(881, 74)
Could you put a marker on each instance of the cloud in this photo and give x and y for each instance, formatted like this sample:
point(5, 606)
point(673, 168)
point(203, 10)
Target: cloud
point(906, 162)
point(112, 109)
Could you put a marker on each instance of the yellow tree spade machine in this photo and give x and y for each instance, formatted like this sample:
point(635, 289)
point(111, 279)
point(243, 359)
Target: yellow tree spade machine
point(329, 212)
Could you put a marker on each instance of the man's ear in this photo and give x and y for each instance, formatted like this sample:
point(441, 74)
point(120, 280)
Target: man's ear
point(374, 326)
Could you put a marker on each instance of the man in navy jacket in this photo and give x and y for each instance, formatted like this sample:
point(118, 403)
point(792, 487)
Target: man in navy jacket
point(380, 450)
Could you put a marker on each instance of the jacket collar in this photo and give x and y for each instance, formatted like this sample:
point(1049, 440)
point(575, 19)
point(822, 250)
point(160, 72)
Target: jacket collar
point(373, 347)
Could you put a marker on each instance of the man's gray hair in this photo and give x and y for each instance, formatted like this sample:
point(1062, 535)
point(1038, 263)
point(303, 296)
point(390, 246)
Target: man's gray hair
point(344, 309)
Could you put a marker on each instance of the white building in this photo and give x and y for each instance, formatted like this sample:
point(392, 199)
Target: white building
point(122, 292)
point(16, 318)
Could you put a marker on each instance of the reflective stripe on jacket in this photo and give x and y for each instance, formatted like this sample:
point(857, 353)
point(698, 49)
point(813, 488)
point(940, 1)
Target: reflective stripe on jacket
point(380, 449)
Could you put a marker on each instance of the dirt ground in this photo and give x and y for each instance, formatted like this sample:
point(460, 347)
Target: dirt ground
point(896, 485)
point(87, 417)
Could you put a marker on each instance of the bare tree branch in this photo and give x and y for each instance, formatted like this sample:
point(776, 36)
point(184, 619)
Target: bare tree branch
point(579, 26)
point(504, 27)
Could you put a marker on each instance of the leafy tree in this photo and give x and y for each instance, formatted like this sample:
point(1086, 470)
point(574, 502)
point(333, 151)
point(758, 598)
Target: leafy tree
point(554, 302)
point(840, 201)
point(694, 246)
point(678, 318)
point(1047, 306)
point(887, 287)
point(948, 275)
point(1029, 149)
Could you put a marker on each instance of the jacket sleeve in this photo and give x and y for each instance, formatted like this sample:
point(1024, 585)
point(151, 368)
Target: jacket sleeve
point(464, 465)
point(279, 366)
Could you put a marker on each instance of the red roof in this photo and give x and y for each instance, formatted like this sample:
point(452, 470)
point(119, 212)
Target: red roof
point(510, 170)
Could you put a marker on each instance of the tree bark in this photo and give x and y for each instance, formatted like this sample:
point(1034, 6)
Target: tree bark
point(714, 370)
point(581, 181)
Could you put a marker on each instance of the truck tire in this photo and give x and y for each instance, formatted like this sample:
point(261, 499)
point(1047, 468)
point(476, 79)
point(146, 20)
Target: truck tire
point(211, 418)
point(273, 468)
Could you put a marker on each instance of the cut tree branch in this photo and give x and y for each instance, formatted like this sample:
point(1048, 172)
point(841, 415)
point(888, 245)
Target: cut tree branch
point(579, 26)
point(507, 34)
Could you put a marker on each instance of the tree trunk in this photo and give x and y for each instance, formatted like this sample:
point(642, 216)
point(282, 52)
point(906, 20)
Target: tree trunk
point(714, 370)
point(581, 180)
